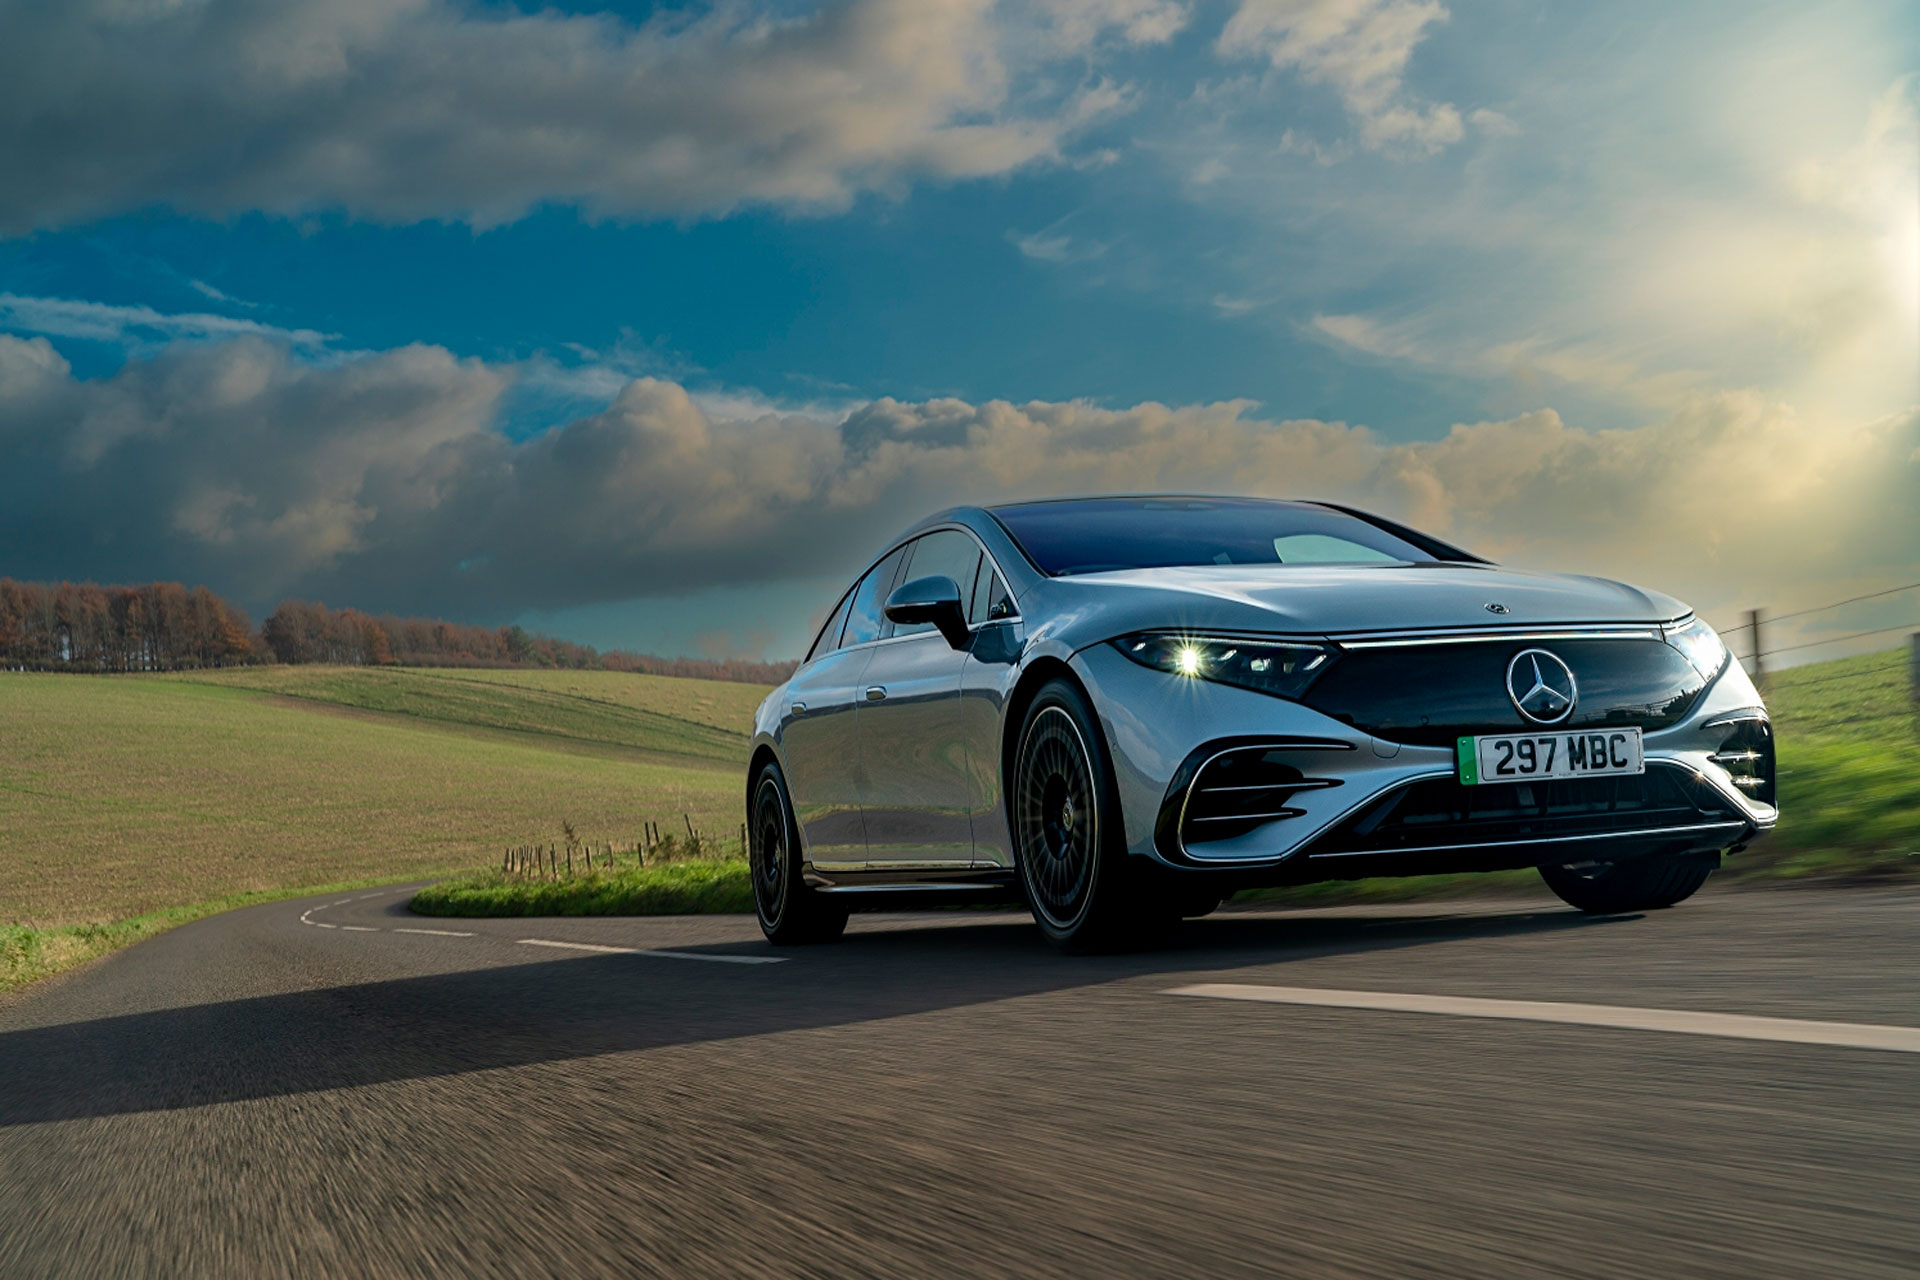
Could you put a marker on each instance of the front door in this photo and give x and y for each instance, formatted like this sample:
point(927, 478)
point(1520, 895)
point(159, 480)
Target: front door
point(916, 789)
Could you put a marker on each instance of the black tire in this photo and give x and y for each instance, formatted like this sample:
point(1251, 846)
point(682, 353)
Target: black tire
point(1641, 884)
point(1068, 841)
point(791, 911)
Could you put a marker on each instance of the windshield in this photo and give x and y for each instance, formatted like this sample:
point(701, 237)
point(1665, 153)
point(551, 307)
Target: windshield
point(1096, 535)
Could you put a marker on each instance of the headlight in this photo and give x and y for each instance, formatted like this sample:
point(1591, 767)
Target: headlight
point(1699, 645)
point(1281, 668)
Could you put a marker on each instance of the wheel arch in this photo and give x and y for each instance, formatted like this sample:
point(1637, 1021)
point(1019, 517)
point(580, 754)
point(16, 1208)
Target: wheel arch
point(1039, 673)
point(763, 755)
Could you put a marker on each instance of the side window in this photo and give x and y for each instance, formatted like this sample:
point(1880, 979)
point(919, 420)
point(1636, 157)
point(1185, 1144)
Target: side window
point(947, 552)
point(990, 598)
point(864, 619)
point(829, 638)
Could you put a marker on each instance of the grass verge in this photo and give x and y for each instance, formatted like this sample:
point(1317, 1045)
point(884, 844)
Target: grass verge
point(675, 888)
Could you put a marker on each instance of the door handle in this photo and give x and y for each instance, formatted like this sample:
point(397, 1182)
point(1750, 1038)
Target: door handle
point(876, 692)
point(799, 708)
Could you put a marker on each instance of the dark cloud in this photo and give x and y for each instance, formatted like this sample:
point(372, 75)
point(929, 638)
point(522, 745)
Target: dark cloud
point(409, 109)
point(383, 481)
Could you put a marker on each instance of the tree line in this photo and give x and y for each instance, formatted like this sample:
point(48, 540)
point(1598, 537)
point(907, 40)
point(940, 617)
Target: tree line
point(163, 626)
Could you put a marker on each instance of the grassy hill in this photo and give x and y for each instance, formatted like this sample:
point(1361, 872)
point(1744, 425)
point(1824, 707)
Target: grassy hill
point(127, 795)
point(1848, 735)
point(128, 803)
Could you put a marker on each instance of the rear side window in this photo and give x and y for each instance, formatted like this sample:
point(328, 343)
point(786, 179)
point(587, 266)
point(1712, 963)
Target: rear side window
point(864, 619)
point(829, 638)
point(946, 553)
point(990, 598)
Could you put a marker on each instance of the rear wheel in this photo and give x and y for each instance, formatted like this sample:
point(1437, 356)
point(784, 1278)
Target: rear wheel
point(1640, 884)
point(790, 910)
point(1067, 837)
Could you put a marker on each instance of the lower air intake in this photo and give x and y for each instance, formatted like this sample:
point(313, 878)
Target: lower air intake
point(1240, 790)
point(1440, 813)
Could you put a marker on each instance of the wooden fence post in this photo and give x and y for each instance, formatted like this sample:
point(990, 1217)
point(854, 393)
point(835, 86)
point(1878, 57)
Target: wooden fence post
point(1759, 650)
point(1916, 666)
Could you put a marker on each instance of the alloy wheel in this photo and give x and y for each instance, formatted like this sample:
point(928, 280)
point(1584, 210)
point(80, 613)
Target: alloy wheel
point(1055, 816)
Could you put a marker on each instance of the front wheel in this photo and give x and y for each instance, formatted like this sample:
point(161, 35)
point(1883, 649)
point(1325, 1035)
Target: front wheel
point(790, 910)
point(1068, 842)
point(1641, 884)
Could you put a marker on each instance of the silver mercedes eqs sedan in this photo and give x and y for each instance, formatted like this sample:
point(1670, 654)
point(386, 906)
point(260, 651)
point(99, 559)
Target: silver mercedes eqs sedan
point(1122, 710)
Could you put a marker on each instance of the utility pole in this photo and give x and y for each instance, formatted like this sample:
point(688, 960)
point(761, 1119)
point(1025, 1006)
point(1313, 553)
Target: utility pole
point(1759, 653)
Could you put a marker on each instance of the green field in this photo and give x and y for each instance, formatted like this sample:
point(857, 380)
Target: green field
point(128, 803)
point(1848, 735)
point(125, 795)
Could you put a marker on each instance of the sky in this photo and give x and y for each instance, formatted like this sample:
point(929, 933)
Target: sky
point(646, 325)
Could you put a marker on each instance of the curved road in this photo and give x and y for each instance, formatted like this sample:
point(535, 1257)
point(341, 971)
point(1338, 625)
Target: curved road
point(335, 1087)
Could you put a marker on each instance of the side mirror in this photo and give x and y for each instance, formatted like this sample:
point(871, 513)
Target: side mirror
point(935, 600)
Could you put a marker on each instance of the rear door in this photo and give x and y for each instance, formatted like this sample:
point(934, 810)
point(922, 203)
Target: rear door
point(915, 790)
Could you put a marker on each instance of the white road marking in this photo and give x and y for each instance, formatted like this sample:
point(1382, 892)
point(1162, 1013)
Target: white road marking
point(641, 951)
point(321, 924)
point(438, 933)
point(1844, 1035)
point(358, 928)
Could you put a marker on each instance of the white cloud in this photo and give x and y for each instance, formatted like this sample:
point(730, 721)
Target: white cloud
point(1493, 123)
point(1052, 246)
point(432, 109)
point(102, 322)
point(375, 480)
point(1361, 49)
point(1078, 23)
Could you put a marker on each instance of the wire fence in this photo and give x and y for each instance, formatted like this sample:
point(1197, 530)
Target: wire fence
point(1758, 651)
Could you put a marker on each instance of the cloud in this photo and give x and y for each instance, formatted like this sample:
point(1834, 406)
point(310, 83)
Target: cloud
point(1050, 246)
point(1360, 48)
point(401, 110)
point(384, 481)
point(1075, 24)
point(101, 322)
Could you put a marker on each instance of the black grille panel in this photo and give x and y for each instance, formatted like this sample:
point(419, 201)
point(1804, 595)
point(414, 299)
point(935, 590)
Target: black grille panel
point(1432, 694)
point(1747, 756)
point(1440, 813)
point(1240, 790)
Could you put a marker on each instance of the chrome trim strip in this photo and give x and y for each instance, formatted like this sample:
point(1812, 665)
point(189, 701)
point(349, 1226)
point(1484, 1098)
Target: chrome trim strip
point(1733, 824)
point(1407, 639)
point(910, 886)
point(1275, 816)
point(1744, 716)
point(1305, 784)
point(1310, 744)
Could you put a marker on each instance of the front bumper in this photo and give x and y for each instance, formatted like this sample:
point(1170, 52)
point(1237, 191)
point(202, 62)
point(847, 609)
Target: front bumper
point(1163, 731)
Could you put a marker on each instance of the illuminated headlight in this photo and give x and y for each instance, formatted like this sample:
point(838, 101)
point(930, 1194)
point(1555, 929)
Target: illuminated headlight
point(1281, 668)
point(1699, 645)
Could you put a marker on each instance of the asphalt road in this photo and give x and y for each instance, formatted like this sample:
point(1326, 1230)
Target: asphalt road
point(262, 1094)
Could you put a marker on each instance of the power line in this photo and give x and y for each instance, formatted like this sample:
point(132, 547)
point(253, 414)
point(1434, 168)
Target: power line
point(1789, 648)
point(1872, 595)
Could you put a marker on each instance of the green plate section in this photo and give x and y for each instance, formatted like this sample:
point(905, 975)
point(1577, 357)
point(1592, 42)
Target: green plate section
point(1469, 762)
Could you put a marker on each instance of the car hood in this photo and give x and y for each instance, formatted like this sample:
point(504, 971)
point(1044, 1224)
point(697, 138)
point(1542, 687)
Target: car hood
point(1339, 599)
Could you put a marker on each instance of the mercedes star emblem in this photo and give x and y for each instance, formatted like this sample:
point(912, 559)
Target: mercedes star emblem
point(1541, 686)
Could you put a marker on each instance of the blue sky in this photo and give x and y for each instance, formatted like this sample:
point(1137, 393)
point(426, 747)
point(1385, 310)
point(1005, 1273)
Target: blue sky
point(457, 308)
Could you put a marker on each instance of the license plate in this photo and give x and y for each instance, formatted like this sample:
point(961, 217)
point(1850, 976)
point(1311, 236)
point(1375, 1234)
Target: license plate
point(1525, 757)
